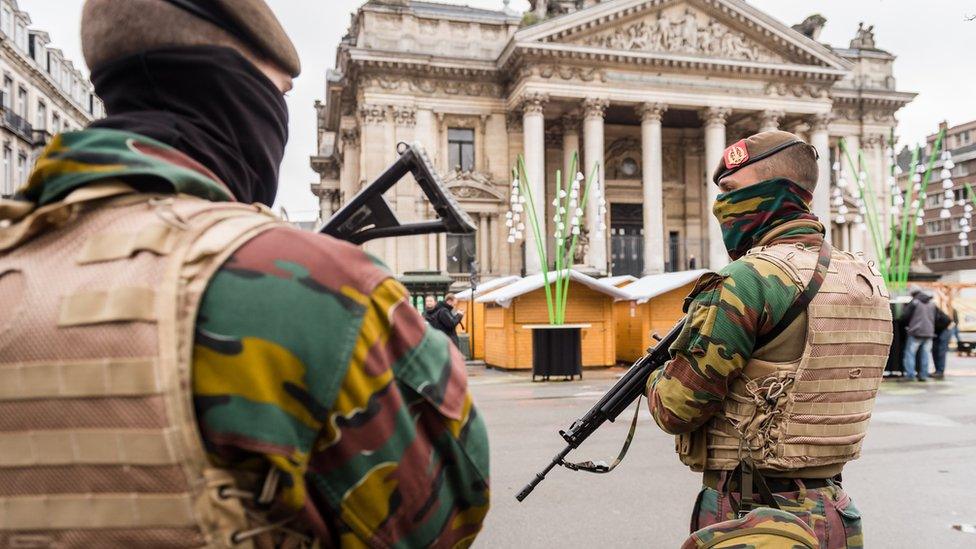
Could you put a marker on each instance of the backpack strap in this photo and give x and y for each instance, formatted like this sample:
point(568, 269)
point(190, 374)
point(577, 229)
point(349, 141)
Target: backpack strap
point(749, 479)
point(803, 299)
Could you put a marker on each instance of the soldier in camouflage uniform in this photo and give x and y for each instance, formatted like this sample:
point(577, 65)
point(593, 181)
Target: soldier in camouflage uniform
point(179, 368)
point(764, 368)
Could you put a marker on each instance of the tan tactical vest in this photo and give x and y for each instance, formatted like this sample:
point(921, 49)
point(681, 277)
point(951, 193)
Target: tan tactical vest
point(98, 441)
point(807, 415)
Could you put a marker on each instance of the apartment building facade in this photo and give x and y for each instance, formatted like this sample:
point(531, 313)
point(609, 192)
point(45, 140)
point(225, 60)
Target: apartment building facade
point(42, 93)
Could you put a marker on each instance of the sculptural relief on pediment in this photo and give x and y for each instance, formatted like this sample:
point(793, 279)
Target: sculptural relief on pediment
point(680, 30)
point(473, 186)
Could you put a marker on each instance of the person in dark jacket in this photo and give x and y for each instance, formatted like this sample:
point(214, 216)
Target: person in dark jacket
point(940, 346)
point(919, 319)
point(444, 318)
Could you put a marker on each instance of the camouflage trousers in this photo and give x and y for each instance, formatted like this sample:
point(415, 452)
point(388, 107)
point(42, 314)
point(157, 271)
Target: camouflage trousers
point(829, 511)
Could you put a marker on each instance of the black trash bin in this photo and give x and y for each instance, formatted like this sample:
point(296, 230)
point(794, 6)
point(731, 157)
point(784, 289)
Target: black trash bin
point(557, 351)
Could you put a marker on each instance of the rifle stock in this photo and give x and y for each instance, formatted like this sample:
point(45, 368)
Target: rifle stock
point(627, 389)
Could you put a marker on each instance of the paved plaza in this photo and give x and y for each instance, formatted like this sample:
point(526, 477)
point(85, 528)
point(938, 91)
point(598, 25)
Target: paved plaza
point(913, 483)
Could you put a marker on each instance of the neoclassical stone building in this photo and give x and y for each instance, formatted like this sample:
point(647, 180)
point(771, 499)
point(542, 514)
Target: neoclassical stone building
point(651, 91)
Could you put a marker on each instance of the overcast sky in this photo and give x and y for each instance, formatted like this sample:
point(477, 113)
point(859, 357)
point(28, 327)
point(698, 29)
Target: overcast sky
point(932, 41)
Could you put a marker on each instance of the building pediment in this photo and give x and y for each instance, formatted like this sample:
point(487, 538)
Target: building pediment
point(473, 186)
point(681, 33)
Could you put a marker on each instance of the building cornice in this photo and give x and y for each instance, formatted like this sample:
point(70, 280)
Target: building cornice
point(42, 79)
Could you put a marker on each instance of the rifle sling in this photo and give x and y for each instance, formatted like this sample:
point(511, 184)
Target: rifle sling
point(601, 466)
point(803, 299)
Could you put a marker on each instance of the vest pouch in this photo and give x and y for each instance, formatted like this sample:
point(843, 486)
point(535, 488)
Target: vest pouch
point(692, 449)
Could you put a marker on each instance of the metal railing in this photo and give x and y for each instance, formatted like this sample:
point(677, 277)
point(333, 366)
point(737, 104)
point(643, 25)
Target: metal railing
point(19, 125)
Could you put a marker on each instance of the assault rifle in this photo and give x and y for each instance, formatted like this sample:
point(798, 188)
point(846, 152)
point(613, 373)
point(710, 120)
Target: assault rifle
point(368, 215)
point(627, 389)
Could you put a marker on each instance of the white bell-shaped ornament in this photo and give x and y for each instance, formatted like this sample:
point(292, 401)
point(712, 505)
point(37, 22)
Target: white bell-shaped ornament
point(515, 183)
point(920, 168)
point(560, 226)
point(562, 193)
point(508, 223)
point(862, 210)
point(574, 221)
point(949, 181)
point(919, 222)
point(842, 210)
point(602, 227)
point(521, 199)
point(555, 218)
point(858, 219)
point(949, 164)
point(960, 202)
point(578, 212)
point(836, 166)
point(511, 239)
point(964, 222)
point(557, 235)
point(574, 194)
point(962, 236)
point(842, 182)
point(517, 207)
point(947, 193)
point(603, 201)
point(518, 235)
point(863, 175)
point(562, 210)
point(945, 174)
point(838, 200)
point(579, 176)
point(835, 191)
point(964, 243)
point(948, 203)
point(898, 200)
point(898, 170)
point(946, 183)
point(516, 217)
point(576, 230)
point(520, 226)
point(890, 181)
point(603, 210)
point(559, 242)
point(946, 155)
point(508, 215)
point(923, 195)
point(967, 215)
point(944, 214)
point(555, 201)
point(917, 178)
point(968, 207)
point(840, 220)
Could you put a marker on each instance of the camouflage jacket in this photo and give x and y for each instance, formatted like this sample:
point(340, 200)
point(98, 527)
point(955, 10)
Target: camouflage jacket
point(309, 356)
point(727, 312)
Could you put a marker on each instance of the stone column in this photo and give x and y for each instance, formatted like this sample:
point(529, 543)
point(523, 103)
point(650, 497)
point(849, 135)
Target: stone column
point(820, 140)
point(484, 253)
point(570, 144)
point(769, 120)
point(349, 182)
point(714, 118)
point(593, 150)
point(534, 130)
point(652, 179)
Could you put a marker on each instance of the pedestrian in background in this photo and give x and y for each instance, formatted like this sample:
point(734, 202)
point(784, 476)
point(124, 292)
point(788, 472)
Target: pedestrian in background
point(443, 317)
point(941, 344)
point(919, 318)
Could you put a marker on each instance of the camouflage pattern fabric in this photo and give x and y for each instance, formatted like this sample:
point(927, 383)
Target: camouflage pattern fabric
point(748, 214)
point(309, 357)
point(727, 312)
point(829, 512)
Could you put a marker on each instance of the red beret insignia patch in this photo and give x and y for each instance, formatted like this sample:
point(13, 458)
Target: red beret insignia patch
point(736, 154)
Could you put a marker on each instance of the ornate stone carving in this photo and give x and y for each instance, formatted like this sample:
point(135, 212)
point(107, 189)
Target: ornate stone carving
point(872, 141)
point(622, 156)
point(770, 119)
point(715, 116)
point(404, 116)
point(819, 122)
point(414, 84)
point(565, 72)
point(474, 186)
point(513, 121)
point(533, 103)
point(651, 111)
point(595, 107)
point(374, 114)
point(349, 136)
point(798, 89)
point(687, 33)
point(863, 38)
point(571, 122)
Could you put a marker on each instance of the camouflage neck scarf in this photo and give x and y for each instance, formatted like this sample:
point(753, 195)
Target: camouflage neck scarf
point(749, 213)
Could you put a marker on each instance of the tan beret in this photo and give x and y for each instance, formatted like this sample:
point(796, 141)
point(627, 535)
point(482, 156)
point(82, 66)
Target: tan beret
point(252, 22)
point(752, 149)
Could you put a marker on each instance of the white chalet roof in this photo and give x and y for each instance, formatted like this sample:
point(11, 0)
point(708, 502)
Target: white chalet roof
point(487, 286)
point(651, 286)
point(619, 279)
point(505, 295)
